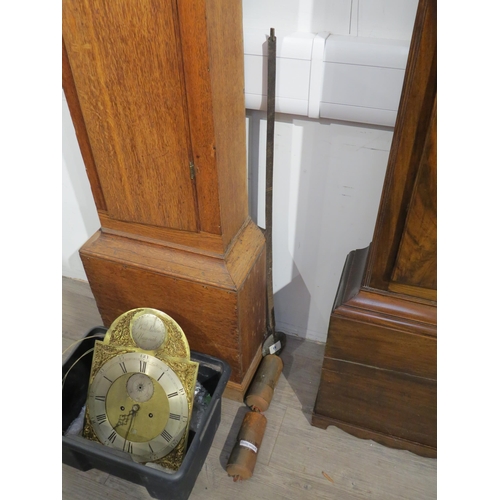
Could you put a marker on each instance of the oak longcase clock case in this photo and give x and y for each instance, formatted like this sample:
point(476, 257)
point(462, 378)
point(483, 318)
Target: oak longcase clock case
point(156, 94)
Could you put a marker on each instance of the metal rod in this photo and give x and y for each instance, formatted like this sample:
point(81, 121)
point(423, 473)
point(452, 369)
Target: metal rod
point(271, 102)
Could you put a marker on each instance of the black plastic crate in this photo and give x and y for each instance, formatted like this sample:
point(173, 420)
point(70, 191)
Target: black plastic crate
point(84, 454)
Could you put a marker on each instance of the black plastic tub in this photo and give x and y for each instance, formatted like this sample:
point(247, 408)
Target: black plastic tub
point(84, 454)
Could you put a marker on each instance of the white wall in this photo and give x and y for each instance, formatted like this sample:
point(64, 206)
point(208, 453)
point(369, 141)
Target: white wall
point(368, 18)
point(328, 174)
point(80, 220)
point(328, 178)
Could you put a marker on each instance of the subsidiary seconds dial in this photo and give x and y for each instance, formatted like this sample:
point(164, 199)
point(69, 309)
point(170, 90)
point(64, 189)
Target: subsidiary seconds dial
point(137, 404)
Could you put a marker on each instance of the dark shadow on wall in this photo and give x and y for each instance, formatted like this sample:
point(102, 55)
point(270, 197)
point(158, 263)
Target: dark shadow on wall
point(293, 300)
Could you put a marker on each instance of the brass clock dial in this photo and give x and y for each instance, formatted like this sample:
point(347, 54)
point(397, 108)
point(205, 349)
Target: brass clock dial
point(137, 403)
point(141, 388)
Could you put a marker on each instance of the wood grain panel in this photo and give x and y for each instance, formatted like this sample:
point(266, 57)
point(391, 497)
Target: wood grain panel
point(386, 348)
point(195, 51)
point(225, 36)
point(379, 306)
point(414, 291)
point(416, 263)
point(388, 305)
point(252, 304)
point(389, 322)
point(392, 403)
point(246, 247)
point(179, 264)
point(126, 63)
point(228, 270)
point(201, 242)
point(412, 122)
point(207, 315)
point(81, 132)
point(213, 65)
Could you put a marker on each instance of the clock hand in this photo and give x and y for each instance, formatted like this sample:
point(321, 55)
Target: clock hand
point(134, 411)
point(124, 418)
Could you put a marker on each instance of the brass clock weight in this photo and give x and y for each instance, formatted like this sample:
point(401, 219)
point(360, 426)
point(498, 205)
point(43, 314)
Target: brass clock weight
point(141, 388)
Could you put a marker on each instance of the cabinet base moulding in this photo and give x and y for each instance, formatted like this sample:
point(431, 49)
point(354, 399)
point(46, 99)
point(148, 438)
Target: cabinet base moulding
point(236, 391)
point(379, 373)
point(219, 301)
point(390, 441)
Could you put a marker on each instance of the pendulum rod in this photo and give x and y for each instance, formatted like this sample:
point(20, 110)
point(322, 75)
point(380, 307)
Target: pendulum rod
point(271, 100)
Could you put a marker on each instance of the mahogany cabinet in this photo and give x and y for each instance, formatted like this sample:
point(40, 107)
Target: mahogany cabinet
point(155, 89)
point(379, 377)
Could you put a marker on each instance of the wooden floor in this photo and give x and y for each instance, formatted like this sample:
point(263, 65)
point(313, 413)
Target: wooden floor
point(296, 460)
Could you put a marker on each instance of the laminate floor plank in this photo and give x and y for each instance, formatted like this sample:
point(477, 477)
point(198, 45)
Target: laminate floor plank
point(361, 468)
point(77, 286)
point(80, 312)
point(296, 460)
point(302, 372)
point(80, 485)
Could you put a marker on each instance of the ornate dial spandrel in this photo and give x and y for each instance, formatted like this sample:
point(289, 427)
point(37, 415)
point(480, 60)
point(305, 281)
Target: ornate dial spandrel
point(151, 330)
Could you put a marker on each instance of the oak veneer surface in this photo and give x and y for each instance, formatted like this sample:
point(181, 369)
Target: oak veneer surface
point(296, 461)
point(71, 95)
point(156, 92)
point(213, 67)
point(134, 107)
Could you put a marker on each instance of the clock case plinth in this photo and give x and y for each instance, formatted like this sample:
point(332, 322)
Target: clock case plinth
point(218, 299)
